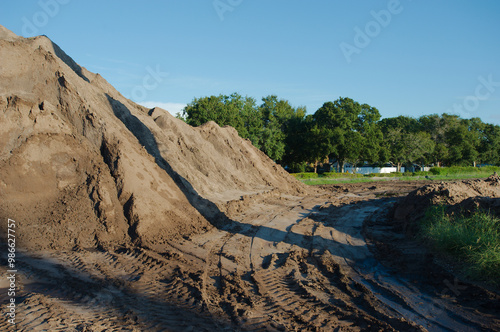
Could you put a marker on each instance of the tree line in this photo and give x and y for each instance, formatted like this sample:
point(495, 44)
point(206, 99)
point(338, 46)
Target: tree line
point(348, 132)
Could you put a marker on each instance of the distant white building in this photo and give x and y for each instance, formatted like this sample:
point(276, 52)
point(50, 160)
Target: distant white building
point(387, 168)
point(368, 170)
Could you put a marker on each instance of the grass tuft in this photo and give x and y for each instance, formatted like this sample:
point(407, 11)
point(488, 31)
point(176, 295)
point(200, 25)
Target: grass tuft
point(474, 240)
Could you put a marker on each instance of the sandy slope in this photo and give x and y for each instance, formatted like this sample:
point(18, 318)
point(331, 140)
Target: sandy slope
point(131, 220)
point(83, 165)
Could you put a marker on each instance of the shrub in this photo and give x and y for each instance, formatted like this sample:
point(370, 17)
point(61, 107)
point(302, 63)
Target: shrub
point(421, 173)
point(385, 175)
point(454, 170)
point(305, 176)
point(297, 167)
point(489, 169)
point(333, 175)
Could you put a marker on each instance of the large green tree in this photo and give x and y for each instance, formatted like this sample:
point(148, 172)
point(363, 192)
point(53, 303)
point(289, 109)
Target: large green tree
point(268, 126)
point(436, 126)
point(222, 109)
point(337, 120)
point(372, 137)
point(236, 111)
point(463, 140)
point(279, 122)
point(350, 129)
point(406, 124)
point(306, 142)
point(489, 147)
point(405, 142)
point(395, 147)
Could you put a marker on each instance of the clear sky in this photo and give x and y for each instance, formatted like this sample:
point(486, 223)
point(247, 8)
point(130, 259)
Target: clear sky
point(406, 57)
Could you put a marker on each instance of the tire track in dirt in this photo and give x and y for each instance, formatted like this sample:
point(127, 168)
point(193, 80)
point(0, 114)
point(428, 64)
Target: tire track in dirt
point(281, 265)
point(143, 301)
point(395, 294)
point(276, 301)
point(227, 267)
point(284, 301)
point(152, 284)
point(49, 300)
point(287, 302)
point(286, 240)
point(213, 270)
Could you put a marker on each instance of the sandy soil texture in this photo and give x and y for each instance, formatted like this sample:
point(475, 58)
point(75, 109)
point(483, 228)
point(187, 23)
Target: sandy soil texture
point(330, 262)
point(82, 165)
point(130, 220)
point(459, 197)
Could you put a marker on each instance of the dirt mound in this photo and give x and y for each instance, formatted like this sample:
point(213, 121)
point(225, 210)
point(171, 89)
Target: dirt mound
point(82, 165)
point(461, 197)
point(6, 34)
point(216, 162)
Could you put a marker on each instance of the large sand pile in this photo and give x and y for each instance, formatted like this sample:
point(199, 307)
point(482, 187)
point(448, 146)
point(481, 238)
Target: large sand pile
point(82, 165)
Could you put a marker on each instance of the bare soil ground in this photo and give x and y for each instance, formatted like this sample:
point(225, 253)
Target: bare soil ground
point(130, 220)
point(459, 197)
point(333, 261)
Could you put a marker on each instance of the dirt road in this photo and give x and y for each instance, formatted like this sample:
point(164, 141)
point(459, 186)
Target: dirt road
point(330, 262)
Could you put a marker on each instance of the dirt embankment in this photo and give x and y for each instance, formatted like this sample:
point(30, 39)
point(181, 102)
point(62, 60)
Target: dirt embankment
point(460, 197)
point(82, 165)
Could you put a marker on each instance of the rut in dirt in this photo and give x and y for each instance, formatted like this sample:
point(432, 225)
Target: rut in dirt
point(316, 271)
point(282, 265)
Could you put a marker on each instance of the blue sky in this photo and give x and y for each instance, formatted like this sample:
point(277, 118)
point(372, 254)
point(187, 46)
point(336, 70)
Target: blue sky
point(406, 57)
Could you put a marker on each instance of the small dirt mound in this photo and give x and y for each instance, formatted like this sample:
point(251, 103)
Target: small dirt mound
point(460, 196)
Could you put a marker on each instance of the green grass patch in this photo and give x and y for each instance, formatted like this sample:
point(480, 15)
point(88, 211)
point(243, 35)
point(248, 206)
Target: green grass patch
point(322, 181)
point(386, 175)
point(461, 170)
point(443, 174)
point(421, 173)
point(473, 240)
point(305, 176)
point(459, 176)
point(333, 175)
point(327, 175)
